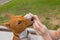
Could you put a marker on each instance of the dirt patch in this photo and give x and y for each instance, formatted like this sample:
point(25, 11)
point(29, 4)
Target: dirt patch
point(50, 20)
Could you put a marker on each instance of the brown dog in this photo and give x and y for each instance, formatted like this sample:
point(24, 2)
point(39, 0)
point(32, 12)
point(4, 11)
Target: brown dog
point(17, 24)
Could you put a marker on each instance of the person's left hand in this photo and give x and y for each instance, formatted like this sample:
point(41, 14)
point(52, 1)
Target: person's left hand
point(40, 29)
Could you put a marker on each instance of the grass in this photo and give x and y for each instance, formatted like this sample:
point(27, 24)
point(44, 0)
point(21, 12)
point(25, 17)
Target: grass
point(37, 7)
point(34, 6)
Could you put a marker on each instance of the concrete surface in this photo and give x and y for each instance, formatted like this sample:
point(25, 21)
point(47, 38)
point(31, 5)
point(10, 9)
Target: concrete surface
point(4, 1)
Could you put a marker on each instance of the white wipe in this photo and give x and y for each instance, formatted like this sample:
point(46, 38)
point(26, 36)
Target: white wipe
point(28, 16)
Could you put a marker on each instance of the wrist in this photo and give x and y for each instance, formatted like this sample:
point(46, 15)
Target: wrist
point(45, 34)
point(47, 37)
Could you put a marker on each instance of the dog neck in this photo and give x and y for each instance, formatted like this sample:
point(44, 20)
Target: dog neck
point(16, 37)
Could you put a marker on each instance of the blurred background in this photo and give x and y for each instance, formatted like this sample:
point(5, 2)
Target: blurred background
point(48, 11)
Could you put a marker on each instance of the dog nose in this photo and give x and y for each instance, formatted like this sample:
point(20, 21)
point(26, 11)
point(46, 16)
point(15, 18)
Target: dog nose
point(28, 16)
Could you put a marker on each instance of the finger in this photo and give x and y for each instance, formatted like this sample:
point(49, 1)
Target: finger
point(36, 30)
point(38, 27)
point(37, 23)
point(31, 14)
point(36, 17)
point(40, 24)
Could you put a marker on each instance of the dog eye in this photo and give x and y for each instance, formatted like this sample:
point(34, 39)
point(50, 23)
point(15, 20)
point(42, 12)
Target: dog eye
point(19, 22)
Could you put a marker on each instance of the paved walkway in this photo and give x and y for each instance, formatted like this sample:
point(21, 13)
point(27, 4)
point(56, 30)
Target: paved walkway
point(4, 1)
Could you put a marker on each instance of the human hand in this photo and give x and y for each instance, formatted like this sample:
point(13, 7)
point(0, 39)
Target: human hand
point(39, 28)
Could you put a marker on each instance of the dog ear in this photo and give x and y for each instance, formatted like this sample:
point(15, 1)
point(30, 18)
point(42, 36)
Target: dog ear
point(6, 24)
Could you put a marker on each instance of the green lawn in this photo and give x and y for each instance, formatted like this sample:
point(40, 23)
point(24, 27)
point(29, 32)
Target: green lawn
point(46, 8)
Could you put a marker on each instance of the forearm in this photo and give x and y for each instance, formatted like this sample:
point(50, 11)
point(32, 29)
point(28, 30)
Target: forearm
point(55, 34)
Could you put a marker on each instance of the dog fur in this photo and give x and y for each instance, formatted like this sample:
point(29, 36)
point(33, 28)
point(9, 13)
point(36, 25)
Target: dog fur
point(17, 24)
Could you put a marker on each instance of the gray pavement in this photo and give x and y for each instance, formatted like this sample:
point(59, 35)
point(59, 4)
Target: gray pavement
point(4, 1)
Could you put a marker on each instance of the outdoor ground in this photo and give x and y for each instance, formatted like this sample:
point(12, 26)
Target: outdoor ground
point(47, 10)
point(4, 1)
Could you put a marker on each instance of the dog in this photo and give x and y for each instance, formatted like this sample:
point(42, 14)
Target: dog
point(17, 24)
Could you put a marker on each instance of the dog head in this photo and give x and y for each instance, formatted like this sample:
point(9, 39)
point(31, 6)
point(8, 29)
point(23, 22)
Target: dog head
point(17, 24)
